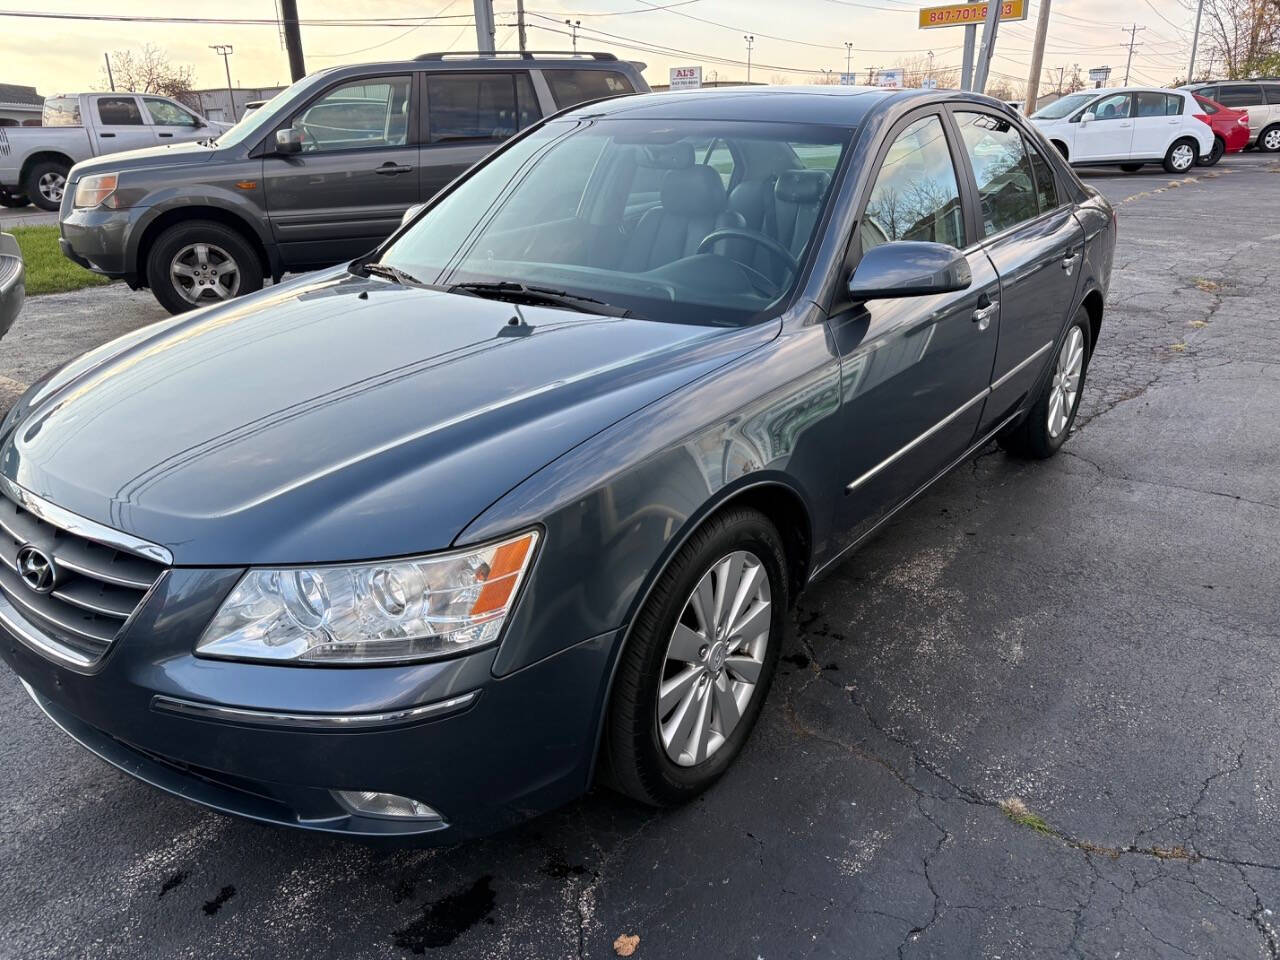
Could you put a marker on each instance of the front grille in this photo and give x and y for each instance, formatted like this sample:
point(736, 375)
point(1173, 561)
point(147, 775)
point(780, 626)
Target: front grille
point(97, 588)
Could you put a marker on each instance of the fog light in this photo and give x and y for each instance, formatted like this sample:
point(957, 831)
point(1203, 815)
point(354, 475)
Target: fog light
point(370, 804)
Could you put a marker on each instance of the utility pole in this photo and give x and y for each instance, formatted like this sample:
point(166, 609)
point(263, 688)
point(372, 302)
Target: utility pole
point(929, 74)
point(111, 82)
point(520, 34)
point(1061, 72)
point(1037, 58)
point(485, 28)
point(292, 39)
point(989, 29)
point(224, 50)
point(1133, 35)
point(871, 76)
point(750, 38)
point(1195, 41)
point(966, 64)
point(848, 59)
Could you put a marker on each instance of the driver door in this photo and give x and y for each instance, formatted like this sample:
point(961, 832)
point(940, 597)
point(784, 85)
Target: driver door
point(355, 176)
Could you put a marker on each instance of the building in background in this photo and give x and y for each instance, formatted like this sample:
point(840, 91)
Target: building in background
point(214, 104)
point(19, 106)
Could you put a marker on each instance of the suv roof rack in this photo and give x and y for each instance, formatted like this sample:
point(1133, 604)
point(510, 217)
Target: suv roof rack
point(516, 54)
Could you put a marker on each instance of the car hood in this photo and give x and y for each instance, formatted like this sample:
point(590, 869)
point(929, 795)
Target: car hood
point(148, 158)
point(336, 418)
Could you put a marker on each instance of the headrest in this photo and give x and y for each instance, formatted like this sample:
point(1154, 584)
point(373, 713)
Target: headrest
point(801, 186)
point(666, 156)
point(695, 191)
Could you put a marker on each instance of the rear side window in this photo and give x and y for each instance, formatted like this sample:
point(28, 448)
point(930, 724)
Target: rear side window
point(61, 112)
point(1272, 92)
point(916, 194)
point(575, 86)
point(119, 111)
point(1001, 168)
point(1206, 105)
point(1046, 184)
point(479, 106)
point(720, 159)
point(1240, 95)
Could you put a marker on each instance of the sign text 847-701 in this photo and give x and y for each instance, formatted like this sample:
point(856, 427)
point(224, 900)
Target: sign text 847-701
point(964, 14)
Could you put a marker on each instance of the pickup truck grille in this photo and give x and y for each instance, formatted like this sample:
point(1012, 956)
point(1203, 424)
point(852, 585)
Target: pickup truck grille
point(95, 587)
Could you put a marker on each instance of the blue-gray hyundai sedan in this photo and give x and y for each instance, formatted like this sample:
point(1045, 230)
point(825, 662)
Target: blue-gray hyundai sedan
point(423, 545)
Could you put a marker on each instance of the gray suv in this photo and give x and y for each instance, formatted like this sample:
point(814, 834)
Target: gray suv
point(319, 175)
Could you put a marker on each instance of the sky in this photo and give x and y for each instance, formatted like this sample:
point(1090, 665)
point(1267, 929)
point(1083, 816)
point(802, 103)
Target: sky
point(794, 39)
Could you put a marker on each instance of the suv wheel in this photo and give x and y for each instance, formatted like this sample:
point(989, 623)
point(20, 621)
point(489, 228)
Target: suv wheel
point(198, 263)
point(45, 183)
point(1181, 156)
point(1269, 139)
point(699, 661)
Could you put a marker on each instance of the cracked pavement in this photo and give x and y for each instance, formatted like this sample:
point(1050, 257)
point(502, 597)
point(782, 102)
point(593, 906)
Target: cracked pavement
point(1097, 636)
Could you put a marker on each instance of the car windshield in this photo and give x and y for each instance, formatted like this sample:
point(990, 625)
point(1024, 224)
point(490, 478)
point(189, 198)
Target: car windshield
point(690, 221)
point(1067, 105)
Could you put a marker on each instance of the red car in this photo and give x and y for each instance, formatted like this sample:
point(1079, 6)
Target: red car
point(1230, 129)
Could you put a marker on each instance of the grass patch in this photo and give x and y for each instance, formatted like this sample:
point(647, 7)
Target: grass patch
point(48, 271)
point(1205, 284)
point(1179, 347)
point(1024, 816)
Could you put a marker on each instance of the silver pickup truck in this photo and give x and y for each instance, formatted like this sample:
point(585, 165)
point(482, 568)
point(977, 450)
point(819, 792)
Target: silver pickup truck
point(34, 160)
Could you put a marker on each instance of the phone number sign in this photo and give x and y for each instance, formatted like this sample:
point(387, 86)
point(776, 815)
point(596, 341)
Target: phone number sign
point(967, 14)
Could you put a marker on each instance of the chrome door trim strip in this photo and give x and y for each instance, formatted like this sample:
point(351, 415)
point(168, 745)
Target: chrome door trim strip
point(310, 721)
point(894, 457)
point(83, 526)
point(1006, 377)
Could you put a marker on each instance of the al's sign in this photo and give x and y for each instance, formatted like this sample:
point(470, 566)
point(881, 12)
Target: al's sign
point(686, 78)
point(966, 14)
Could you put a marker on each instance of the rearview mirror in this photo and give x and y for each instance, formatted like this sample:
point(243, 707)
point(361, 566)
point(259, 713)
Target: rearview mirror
point(909, 268)
point(412, 212)
point(289, 141)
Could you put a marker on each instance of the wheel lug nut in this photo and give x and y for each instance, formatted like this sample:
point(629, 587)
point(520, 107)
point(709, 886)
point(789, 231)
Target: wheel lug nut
point(703, 651)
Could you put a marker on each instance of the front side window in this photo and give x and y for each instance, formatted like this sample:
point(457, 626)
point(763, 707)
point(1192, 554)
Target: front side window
point(1001, 168)
point(361, 115)
point(61, 112)
point(618, 210)
point(119, 112)
point(916, 195)
point(166, 113)
point(576, 86)
point(1240, 95)
point(1118, 106)
point(479, 106)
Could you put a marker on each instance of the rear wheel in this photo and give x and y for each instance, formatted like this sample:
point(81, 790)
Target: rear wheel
point(1130, 167)
point(1219, 148)
point(1269, 139)
point(198, 263)
point(698, 663)
point(45, 183)
point(1181, 156)
point(1046, 427)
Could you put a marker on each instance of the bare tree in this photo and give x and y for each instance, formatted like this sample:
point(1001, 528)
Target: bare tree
point(1075, 80)
point(1005, 89)
point(1243, 34)
point(780, 79)
point(917, 69)
point(149, 71)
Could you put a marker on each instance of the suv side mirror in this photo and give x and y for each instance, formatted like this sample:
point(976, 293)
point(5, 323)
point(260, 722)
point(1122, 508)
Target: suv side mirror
point(289, 140)
point(909, 268)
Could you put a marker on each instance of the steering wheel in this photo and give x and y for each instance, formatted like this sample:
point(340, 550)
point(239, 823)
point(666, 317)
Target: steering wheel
point(771, 245)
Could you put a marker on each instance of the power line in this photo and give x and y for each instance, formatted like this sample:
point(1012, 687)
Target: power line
point(399, 36)
point(229, 21)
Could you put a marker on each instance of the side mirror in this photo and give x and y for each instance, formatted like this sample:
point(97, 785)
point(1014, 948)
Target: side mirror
point(1087, 117)
point(197, 122)
point(289, 140)
point(412, 212)
point(909, 268)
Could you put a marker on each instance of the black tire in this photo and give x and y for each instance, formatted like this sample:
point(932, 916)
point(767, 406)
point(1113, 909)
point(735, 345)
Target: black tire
point(1172, 165)
point(1269, 139)
point(634, 761)
point(1219, 148)
point(13, 200)
point(1031, 437)
point(1130, 167)
point(225, 240)
point(48, 196)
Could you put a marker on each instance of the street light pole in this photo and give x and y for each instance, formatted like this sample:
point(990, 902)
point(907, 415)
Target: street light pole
point(574, 25)
point(111, 81)
point(848, 58)
point(225, 50)
point(750, 41)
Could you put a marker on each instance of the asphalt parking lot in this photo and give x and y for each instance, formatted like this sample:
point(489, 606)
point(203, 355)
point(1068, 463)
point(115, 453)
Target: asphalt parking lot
point(1037, 716)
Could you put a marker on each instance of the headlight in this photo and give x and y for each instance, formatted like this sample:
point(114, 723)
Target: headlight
point(394, 610)
point(96, 190)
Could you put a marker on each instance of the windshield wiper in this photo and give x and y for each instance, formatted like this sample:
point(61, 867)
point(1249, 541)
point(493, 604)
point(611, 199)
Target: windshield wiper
point(389, 272)
point(539, 296)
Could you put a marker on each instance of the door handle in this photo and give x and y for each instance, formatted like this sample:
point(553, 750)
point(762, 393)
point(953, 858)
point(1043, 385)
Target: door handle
point(1069, 262)
point(106, 134)
point(164, 134)
point(390, 169)
point(986, 310)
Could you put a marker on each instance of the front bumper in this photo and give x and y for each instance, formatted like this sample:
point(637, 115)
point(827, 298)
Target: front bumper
point(496, 751)
point(97, 239)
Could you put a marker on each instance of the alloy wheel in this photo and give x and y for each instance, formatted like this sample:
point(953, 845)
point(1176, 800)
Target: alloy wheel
point(1183, 156)
point(51, 186)
point(1272, 140)
point(204, 273)
point(1066, 382)
point(714, 658)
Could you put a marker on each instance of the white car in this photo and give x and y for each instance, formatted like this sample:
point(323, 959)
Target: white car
point(1128, 126)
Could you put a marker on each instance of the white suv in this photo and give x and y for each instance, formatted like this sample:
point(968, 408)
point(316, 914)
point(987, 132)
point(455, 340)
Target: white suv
point(1260, 98)
point(1128, 126)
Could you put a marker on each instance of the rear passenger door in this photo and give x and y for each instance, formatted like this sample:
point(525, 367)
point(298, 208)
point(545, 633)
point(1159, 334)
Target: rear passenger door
point(1157, 121)
point(120, 124)
point(1027, 227)
point(465, 116)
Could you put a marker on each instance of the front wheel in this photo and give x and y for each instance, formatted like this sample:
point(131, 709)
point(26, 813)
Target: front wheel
point(45, 184)
point(1219, 148)
point(699, 662)
point(198, 263)
point(1047, 424)
point(1181, 156)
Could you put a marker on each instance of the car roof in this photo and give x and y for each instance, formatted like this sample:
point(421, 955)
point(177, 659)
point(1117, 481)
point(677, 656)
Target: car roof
point(484, 61)
point(837, 105)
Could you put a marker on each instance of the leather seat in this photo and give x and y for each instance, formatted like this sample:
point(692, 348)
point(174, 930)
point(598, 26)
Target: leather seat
point(693, 205)
point(784, 208)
